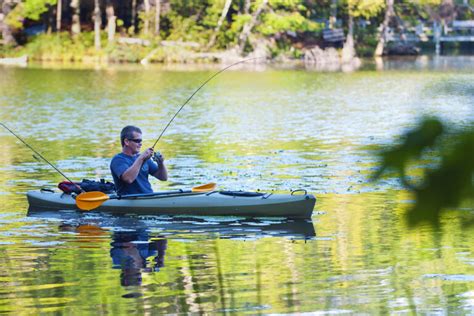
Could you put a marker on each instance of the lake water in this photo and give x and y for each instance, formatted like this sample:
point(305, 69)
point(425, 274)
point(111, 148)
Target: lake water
point(266, 129)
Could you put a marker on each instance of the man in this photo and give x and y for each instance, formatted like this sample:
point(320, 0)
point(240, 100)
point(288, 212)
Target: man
point(130, 168)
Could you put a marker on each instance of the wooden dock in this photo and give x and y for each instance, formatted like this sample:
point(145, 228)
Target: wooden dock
point(458, 31)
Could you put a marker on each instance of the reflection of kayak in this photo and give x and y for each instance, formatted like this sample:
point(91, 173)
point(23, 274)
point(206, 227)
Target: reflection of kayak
point(215, 203)
point(183, 227)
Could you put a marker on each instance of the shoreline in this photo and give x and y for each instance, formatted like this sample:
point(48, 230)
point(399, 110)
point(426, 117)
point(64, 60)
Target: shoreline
point(420, 62)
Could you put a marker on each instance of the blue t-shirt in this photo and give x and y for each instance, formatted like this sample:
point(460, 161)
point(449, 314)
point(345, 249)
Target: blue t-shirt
point(120, 163)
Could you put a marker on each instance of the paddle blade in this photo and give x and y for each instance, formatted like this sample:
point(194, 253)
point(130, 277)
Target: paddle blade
point(90, 200)
point(204, 188)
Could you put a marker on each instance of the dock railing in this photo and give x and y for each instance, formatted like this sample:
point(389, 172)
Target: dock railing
point(456, 31)
point(333, 35)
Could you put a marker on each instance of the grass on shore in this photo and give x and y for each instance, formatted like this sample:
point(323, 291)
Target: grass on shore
point(61, 47)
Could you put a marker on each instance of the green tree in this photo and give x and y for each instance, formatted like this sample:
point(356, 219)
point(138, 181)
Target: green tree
point(6, 7)
point(365, 8)
point(28, 9)
point(356, 9)
point(184, 21)
point(287, 16)
point(273, 20)
point(448, 183)
point(225, 10)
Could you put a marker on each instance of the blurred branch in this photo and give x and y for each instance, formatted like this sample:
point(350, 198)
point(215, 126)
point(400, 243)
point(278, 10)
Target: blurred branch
point(445, 186)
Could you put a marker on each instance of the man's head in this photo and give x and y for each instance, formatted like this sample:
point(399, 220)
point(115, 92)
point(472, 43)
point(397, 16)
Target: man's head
point(131, 138)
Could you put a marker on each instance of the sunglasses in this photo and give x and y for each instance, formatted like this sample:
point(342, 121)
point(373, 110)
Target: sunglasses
point(138, 140)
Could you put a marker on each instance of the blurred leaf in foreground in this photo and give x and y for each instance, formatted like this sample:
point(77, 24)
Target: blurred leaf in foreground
point(443, 186)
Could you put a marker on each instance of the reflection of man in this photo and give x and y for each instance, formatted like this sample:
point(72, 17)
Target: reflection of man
point(130, 251)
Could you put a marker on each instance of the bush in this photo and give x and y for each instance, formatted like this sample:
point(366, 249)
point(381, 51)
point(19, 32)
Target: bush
point(57, 47)
point(366, 43)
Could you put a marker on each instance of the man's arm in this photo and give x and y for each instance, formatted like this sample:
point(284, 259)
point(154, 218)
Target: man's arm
point(162, 172)
point(131, 173)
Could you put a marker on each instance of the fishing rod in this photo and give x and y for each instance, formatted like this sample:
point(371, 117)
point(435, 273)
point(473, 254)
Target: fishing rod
point(192, 95)
point(40, 155)
point(159, 137)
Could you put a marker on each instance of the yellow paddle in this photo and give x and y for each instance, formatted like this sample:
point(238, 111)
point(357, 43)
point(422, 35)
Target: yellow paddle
point(87, 201)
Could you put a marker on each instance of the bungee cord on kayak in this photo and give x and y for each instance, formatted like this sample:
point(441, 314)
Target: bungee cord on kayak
point(91, 200)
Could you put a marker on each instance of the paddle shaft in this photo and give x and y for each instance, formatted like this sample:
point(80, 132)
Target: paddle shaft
point(91, 200)
point(200, 87)
point(131, 196)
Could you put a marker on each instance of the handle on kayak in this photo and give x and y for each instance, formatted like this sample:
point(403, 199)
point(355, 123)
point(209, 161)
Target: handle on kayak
point(299, 190)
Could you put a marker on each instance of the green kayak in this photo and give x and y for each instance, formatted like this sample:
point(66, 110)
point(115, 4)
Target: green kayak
point(214, 203)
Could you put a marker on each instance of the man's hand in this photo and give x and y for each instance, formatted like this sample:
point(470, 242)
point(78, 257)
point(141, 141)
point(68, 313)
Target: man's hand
point(158, 158)
point(145, 155)
point(162, 172)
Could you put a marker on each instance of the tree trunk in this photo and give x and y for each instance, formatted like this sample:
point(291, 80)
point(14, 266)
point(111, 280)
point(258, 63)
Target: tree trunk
point(7, 33)
point(146, 21)
point(97, 24)
point(348, 51)
point(447, 11)
point(383, 29)
point(49, 20)
point(333, 17)
point(157, 17)
point(225, 10)
point(76, 17)
point(111, 21)
point(249, 26)
point(59, 14)
point(247, 7)
point(134, 15)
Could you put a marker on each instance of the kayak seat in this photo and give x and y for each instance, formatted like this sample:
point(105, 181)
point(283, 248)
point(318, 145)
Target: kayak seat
point(242, 193)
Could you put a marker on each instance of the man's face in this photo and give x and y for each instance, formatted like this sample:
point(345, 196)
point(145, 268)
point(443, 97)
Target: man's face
point(134, 143)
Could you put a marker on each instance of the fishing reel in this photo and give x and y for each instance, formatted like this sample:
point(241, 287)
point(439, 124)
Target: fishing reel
point(157, 157)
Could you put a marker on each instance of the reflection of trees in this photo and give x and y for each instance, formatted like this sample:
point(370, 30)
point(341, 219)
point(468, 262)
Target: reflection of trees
point(220, 277)
point(369, 243)
point(369, 246)
point(375, 245)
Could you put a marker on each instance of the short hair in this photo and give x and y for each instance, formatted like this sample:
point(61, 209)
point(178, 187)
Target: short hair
point(127, 132)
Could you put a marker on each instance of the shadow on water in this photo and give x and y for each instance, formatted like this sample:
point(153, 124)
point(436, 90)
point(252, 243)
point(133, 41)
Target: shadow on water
point(187, 227)
point(138, 244)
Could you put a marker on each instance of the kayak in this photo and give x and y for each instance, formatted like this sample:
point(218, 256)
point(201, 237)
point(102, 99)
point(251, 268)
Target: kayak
point(214, 203)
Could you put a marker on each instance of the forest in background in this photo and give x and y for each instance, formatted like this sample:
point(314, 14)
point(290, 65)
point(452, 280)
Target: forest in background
point(183, 31)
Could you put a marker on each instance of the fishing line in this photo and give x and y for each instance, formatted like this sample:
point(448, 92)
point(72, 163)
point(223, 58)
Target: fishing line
point(39, 155)
point(192, 95)
point(159, 137)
